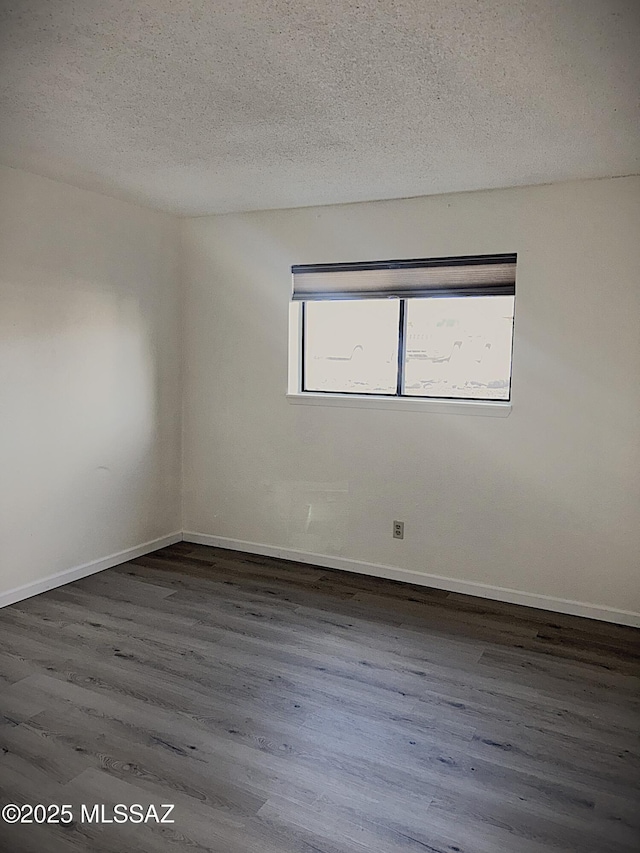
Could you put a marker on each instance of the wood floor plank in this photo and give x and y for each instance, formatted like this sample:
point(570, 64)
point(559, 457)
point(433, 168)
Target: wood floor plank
point(287, 708)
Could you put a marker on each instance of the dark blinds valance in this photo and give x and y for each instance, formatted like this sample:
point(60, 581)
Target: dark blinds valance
point(474, 275)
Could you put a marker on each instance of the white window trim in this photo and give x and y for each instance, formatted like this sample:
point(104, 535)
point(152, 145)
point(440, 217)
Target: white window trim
point(295, 394)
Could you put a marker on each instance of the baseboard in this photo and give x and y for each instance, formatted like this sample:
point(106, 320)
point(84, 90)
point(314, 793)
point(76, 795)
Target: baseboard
point(497, 593)
point(36, 587)
point(513, 596)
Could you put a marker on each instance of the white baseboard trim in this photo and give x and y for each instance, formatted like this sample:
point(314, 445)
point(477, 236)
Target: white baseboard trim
point(497, 593)
point(61, 578)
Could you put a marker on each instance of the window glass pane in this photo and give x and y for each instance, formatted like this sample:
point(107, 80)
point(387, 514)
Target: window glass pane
point(459, 347)
point(351, 345)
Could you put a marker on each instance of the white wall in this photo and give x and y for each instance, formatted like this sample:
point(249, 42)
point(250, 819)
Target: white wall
point(89, 377)
point(546, 501)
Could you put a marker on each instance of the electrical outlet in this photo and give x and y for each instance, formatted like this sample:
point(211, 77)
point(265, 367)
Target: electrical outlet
point(398, 529)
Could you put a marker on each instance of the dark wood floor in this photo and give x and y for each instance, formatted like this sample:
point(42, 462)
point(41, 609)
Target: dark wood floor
point(288, 709)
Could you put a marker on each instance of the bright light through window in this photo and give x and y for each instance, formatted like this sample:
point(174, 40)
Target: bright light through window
point(351, 346)
point(459, 347)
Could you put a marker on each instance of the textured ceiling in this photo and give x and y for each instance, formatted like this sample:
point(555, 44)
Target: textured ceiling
point(199, 106)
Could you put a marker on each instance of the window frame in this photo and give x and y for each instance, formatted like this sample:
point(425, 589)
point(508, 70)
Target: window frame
point(298, 394)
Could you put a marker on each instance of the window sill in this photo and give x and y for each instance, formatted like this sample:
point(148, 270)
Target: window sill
point(497, 409)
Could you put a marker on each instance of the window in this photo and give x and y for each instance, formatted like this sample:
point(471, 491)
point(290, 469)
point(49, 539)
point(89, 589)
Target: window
point(435, 328)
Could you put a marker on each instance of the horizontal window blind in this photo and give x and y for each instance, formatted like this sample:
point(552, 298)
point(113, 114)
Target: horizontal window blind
point(475, 275)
